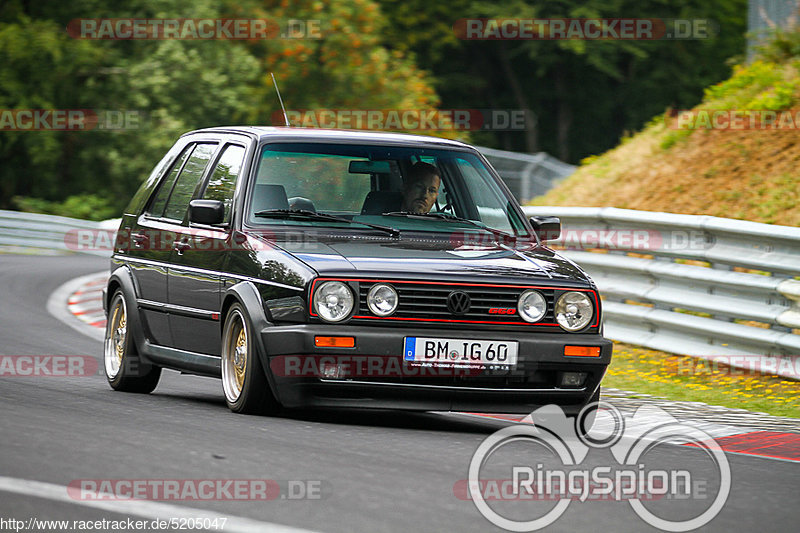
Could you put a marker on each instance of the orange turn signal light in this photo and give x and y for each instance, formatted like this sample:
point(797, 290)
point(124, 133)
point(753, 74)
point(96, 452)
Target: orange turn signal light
point(335, 342)
point(582, 351)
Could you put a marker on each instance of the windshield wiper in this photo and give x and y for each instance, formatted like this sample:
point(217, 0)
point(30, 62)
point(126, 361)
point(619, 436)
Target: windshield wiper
point(311, 215)
point(453, 218)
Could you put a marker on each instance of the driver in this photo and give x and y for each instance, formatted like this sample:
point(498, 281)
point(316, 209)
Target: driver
point(421, 188)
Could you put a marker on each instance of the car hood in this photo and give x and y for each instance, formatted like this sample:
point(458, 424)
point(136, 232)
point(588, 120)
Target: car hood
point(415, 258)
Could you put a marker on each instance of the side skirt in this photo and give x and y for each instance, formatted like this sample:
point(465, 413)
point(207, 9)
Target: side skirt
point(190, 362)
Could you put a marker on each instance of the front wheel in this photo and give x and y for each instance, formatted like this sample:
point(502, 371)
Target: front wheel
point(123, 367)
point(245, 385)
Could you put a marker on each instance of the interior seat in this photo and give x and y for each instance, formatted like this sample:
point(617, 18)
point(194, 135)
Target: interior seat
point(378, 202)
point(268, 196)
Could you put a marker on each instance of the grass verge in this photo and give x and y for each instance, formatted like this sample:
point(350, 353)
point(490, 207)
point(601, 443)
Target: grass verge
point(683, 378)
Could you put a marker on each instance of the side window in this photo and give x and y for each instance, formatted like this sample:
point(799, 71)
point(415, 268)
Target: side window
point(492, 206)
point(188, 180)
point(222, 183)
point(157, 207)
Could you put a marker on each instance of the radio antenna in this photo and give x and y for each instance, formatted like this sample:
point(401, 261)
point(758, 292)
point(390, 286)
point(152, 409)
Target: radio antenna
point(285, 117)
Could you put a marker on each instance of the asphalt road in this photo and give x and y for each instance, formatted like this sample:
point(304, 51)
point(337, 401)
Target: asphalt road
point(378, 471)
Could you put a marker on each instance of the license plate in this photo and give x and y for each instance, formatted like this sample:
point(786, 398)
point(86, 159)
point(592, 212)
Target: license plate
point(460, 351)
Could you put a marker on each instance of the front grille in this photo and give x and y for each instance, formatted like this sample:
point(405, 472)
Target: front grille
point(428, 302)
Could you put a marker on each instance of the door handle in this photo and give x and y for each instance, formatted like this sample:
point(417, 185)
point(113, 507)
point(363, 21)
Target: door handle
point(139, 239)
point(181, 246)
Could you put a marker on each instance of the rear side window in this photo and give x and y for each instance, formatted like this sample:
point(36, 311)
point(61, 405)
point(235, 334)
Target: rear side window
point(222, 183)
point(160, 201)
point(188, 180)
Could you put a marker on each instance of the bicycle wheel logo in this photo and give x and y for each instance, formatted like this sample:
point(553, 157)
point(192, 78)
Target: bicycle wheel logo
point(628, 439)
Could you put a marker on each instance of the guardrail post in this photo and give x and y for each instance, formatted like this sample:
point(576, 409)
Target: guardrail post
point(791, 317)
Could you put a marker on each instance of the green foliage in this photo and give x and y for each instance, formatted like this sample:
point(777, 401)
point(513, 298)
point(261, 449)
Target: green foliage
point(585, 94)
point(770, 82)
point(85, 206)
point(175, 86)
point(673, 137)
point(750, 86)
point(781, 45)
point(780, 96)
point(348, 68)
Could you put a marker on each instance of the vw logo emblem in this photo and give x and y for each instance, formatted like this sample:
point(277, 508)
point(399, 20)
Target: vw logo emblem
point(458, 302)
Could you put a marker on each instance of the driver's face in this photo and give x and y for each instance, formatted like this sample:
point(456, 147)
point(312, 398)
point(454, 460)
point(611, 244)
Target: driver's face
point(421, 194)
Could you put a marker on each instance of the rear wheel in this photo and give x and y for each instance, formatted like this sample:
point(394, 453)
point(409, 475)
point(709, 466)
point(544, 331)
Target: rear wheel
point(245, 385)
point(123, 367)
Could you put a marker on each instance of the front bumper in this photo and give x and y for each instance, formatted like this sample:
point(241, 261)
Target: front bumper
point(374, 374)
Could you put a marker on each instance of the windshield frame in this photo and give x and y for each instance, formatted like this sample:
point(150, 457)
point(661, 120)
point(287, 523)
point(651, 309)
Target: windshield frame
point(524, 234)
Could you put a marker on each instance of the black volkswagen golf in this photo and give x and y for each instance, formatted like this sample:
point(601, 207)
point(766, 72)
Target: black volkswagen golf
point(347, 269)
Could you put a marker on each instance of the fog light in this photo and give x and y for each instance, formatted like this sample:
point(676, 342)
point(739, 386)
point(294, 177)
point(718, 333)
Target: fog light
point(382, 299)
point(332, 371)
point(572, 379)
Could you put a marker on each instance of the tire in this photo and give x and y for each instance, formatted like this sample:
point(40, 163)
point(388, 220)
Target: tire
point(244, 382)
point(121, 363)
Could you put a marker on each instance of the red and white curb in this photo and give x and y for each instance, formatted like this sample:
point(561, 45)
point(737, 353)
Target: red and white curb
point(78, 303)
point(86, 303)
point(736, 430)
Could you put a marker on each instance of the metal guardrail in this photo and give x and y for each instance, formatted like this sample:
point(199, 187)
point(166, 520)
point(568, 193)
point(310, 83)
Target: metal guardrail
point(696, 285)
point(677, 283)
point(527, 175)
point(48, 234)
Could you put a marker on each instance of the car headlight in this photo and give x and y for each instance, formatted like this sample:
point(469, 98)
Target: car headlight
point(382, 299)
point(531, 306)
point(574, 310)
point(333, 301)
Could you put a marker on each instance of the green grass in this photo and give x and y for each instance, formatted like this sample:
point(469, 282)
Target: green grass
point(683, 378)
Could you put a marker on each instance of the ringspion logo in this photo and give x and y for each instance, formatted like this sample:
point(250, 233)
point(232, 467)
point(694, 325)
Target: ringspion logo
point(564, 476)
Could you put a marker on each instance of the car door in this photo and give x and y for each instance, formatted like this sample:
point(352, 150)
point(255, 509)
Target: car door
point(198, 259)
point(148, 251)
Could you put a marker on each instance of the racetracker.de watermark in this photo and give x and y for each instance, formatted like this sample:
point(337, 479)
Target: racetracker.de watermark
point(376, 366)
point(125, 29)
point(409, 119)
point(637, 240)
point(739, 365)
point(634, 239)
point(586, 29)
point(197, 489)
point(51, 366)
point(736, 119)
point(70, 119)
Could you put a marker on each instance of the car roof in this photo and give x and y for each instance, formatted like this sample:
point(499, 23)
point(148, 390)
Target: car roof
point(318, 134)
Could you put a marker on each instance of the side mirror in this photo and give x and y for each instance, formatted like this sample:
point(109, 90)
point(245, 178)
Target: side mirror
point(208, 212)
point(546, 228)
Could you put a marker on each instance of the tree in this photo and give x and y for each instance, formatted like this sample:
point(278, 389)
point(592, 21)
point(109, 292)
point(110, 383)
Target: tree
point(176, 85)
point(585, 94)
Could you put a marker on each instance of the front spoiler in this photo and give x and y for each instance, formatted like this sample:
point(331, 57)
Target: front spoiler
point(535, 381)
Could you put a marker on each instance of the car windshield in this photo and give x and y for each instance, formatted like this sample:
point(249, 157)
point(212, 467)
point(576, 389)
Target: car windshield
point(404, 188)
